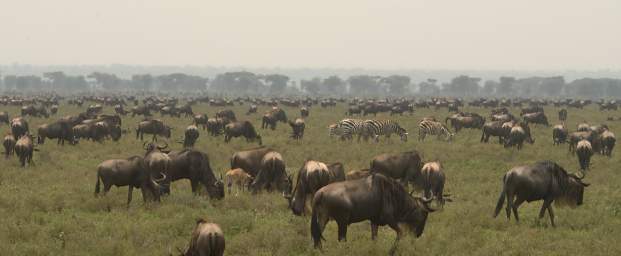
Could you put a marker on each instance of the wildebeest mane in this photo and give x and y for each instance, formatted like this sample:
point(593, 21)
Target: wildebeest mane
point(568, 190)
point(393, 198)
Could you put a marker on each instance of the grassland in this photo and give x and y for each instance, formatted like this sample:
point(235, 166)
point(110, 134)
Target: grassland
point(49, 208)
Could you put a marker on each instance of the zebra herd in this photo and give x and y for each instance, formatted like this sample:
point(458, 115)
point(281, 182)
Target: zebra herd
point(366, 129)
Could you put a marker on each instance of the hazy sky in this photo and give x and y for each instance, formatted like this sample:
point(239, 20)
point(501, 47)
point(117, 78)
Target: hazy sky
point(434, 34)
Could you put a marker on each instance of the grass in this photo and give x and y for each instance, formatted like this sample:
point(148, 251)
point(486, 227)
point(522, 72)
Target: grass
point(49, 209)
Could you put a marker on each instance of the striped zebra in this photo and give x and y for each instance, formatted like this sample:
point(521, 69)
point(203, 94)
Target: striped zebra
point(433, 128)
point(346, 128)
point(375, 128)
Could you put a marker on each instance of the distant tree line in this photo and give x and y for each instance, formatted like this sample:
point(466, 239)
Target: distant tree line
point(248, 83)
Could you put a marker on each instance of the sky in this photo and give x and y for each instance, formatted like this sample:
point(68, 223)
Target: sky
point(386, 34)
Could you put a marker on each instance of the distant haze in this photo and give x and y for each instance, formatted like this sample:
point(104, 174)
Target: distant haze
point(473, 34)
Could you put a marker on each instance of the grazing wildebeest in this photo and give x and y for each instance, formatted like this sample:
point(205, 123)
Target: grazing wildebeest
point(186, 110)
point(201, 119)
point(377, 198)
point(128, 172)
point(207, 240)
point(357, 174)
point(272, 117)
point(141, 110)
point(433, 181)
point(402, 166)
point(54, 109)
point(9, 145)
point(312, 176)
point(24, 148)
point(583, 127)
point(536, 118)
point(227, 114)
point(298, 128)
point(241, 128)
point(156, 161)
point(238, 177)
point(271, 175)
point(34, 111)
point(249, 160)
point(518, 134)
point(584, 151)
point(194, 165)
point(543, 180)
point(304, 112)
point(252, 109)
point(153, 126)
point(559, 134)
point(60, 130)
point(608, 142)
point(591, 136)
point(495, 128)
point(4, 117)
point(562, 115)
point(191, 135)
point(19, 127)
point(215, 126)
point(459, 121)
point(120, 110)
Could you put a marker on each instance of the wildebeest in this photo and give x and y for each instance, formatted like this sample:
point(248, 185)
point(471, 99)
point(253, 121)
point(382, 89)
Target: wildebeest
point(608, 142)
point(304, 112)
point(252, 109)
point(128, 172)
point(191, 135)
point(583, 127)
point(153, 126)
point(34, 111)
point(404, 166)
point(60, 130)
point(194, 165)
point(357, 174)
point(207, 240)
point(562, 115)
point(298, 127)
point(272, 117)
point(543, 180)
point(376, 198)
point(241, 128)
point(584, 151)
point(54, 109)
point(591, 136)
point(249, 160)
point(141, 110)
point(238, 177)
point(433, 181)
point(4, 117)
point(227, 114)
point(495, 128)
point(201, 119)
point(536, 118)
point(518, 134)
point(312, 176)
point(271, 175)
point(215, 126)
point(157, 162)
point(9, 145)
point(24, 148)
point(559, 134)
point(120, 110)
point(19, 127)
point(460, 120)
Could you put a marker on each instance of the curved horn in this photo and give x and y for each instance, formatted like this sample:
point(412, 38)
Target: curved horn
point(163, 147)
point(163, 178)
point(579, 175)
point(144, 145)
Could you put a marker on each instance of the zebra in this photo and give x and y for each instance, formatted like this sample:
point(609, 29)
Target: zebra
point(433, 128)
point(347, 128)
point(375, 128)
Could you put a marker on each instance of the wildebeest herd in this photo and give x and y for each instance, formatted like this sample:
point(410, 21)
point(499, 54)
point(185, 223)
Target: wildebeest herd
point(395, 188)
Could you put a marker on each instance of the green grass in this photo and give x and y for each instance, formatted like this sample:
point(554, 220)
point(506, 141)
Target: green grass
point(49, 208)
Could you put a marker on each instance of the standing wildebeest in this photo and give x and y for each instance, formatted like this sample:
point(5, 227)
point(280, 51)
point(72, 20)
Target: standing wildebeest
point(584, 151)
point(241, 128)
point(583, 127)
point(60, 130)
point(34, 111)
point(311, 177)
point(518, 134)
point(271, 175)
point(4, 117)
point(127, 172)
point(271, 117)
point(545, 181)
point(191, 135)
point(433, 181)
point(238, 177)
point(19, 127)
point(536, 118)
point(141, 110)
point(304, 112)
point(357, 174)
point(201, 119)
point(155, 127)
point(194, 165)
point(459, 121)
point(249, 160)
point(156, 161)
point(298, 128)
point(228, 114)
point(207, 240)
point(54, 109)
point(608, 142)
point(403, 166)
point(562, 115)
point(559, 134)
point(24, 148)
point(9, 145)
point(120, 110)
point(186, 110)
point(216, 125)
point(377, 198)
point(252, 109)
point(495, 128)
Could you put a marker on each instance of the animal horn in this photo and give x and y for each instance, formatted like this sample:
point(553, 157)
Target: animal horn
point(579, 175)
point(165, 145)
point(144, 145)
point(163, 178)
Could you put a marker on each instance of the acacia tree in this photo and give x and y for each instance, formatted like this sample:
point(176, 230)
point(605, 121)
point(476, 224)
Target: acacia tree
point(333, 85)
point(364, 85)
point(397, 85)
point(276, 82)
point(312, 86)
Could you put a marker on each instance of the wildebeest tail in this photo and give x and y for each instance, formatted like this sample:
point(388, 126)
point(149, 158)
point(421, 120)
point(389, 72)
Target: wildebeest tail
point(97, 185)
point(315, 228)
point(501, 198)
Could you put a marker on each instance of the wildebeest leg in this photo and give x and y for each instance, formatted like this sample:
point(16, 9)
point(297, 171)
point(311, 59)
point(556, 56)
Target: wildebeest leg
point(194, 185)
point(342, 231)
point(373, 231)
point(547, 204)
point(551, 214)
point(129, 194)
point(396, 228)
point(516, 205)
point(107, 188)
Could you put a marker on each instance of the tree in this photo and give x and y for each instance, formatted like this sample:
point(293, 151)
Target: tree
point(237, 82)
point(397, 85)
point(489, 88)
point(276, 82)
point(462, 86)
point(312, 86)
point(505, 88)
point(333, 85)
point(364, 85)
point(105, 80)
point(181, 81)
point(142, 82)
point(429, 87)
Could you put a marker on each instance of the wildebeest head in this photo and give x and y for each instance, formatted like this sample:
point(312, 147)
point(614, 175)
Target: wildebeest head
point(416, 217)
point(573, 193)
point(150, 146)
